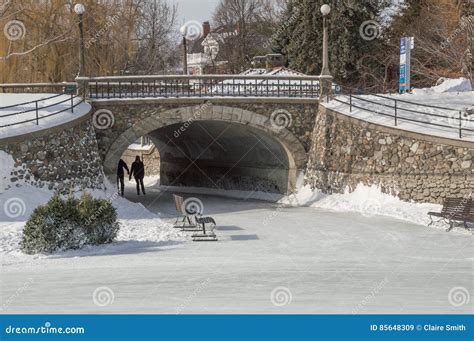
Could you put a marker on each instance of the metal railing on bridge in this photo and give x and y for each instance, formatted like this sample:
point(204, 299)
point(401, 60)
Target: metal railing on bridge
point(46, 88)
point(30, 111)
point(202, 86)
point(238, 86)
point(408, 111)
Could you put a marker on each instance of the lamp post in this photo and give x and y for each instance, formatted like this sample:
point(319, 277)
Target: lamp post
point(326, 84)
point(184, 31)
point(80, 9)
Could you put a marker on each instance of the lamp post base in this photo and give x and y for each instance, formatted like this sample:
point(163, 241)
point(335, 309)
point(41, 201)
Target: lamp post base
point(325, 89)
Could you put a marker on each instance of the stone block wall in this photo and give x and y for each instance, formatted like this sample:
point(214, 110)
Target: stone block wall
point(150, 157)
point(346, 151)
point(61, 158)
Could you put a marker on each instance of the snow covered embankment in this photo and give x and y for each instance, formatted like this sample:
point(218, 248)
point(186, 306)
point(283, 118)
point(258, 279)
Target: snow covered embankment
point(139, 228)
point(368, 201)
point(455, 94)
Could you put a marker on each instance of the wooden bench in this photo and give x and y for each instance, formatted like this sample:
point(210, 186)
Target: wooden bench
point(455, 210)
point(185, 219)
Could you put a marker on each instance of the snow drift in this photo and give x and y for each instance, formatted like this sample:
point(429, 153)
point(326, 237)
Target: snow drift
point(369, 201)
point(445, 85)
point(137, 224)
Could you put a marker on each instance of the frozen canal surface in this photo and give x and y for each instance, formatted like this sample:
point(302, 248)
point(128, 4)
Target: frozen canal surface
point(268, 260)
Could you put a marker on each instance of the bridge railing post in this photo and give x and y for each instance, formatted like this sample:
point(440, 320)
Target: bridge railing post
point(37, 114)
point(396, 113)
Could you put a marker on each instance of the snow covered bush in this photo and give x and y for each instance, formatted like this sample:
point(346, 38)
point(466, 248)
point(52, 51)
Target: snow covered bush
point(69, 224)
point(100, 219)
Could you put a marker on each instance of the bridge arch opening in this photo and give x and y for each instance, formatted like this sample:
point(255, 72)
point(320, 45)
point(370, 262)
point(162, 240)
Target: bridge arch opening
point(245, 154)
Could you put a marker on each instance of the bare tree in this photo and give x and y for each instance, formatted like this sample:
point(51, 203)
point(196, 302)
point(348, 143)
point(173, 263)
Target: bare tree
point(121, 36)
point(254, 21)
point(440, 30)
point(156, 31)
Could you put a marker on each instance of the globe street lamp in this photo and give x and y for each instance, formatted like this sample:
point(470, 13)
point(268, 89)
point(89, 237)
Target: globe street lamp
point(326, 84)
point(79, 9)
point(184, 32)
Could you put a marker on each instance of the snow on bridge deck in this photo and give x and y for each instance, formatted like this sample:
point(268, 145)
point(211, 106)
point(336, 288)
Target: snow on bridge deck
point(53, 110)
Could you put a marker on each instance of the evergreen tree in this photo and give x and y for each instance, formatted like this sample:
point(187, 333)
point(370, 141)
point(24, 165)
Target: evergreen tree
point(301, 41)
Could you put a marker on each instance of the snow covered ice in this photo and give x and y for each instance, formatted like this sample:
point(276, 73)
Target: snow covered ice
point(328, 253)
point(329, 256)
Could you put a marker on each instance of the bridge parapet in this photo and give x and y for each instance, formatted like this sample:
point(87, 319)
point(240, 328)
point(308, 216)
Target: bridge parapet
point(201, 86)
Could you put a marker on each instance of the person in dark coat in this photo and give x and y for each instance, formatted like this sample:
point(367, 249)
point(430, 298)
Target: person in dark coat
point(121, 175)
point(138, 172)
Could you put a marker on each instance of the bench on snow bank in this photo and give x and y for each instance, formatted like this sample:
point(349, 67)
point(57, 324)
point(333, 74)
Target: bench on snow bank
point(455, 210)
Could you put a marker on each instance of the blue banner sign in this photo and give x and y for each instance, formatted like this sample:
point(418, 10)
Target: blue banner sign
point(403, 65)
point(237, 327)
point(406, 45)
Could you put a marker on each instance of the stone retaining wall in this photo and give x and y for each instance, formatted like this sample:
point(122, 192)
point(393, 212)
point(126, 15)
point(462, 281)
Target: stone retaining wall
point(347, 151)
point(150, 158)
point(61, 159)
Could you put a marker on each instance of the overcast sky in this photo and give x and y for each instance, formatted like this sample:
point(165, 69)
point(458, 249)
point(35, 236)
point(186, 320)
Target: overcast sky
point(200, 10)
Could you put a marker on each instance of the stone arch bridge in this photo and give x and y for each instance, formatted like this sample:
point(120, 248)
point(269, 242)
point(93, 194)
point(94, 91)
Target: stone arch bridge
point(229, 132)
point(243, 133)
point(239, 144)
